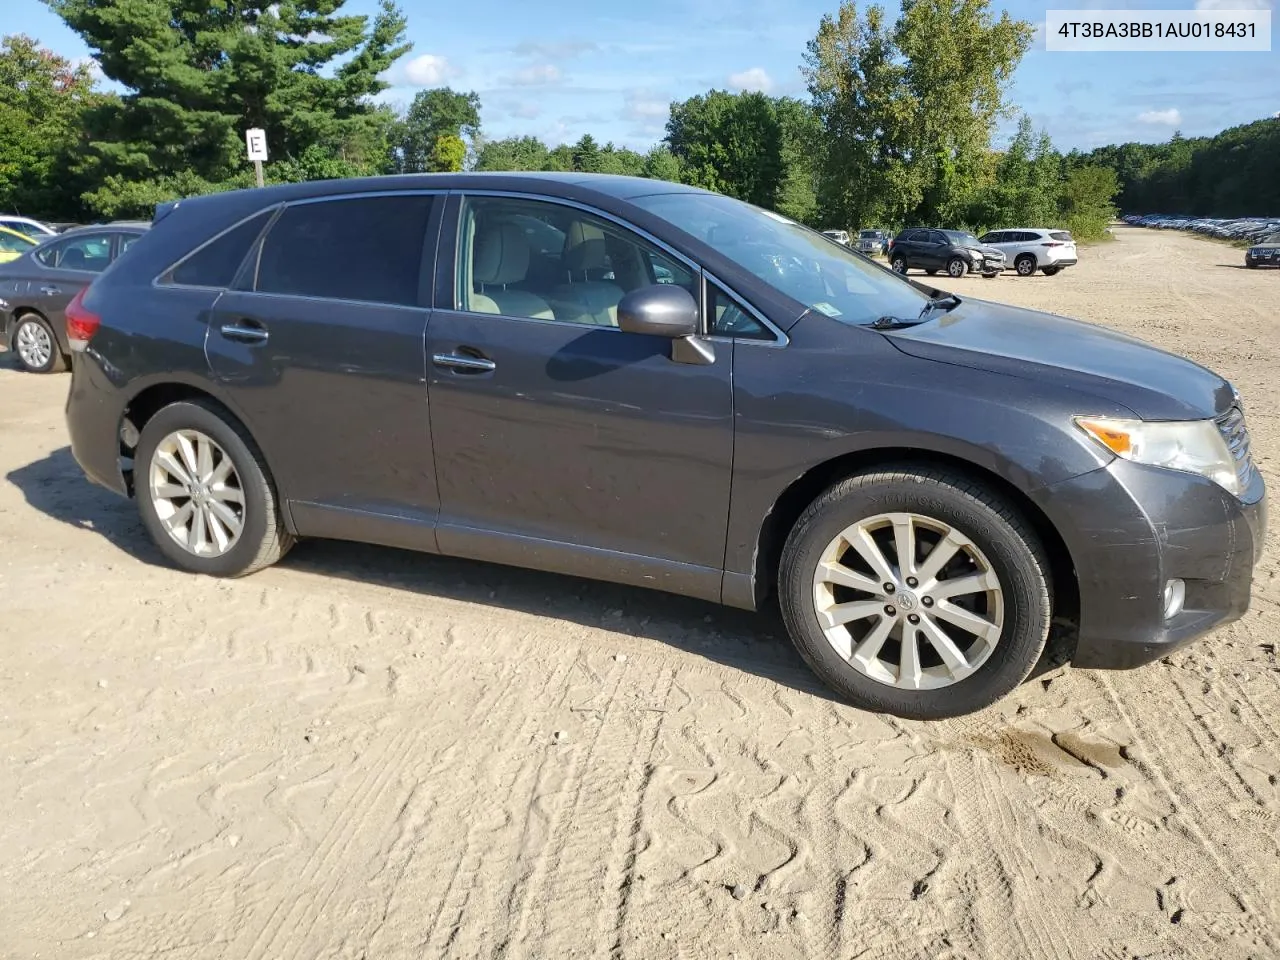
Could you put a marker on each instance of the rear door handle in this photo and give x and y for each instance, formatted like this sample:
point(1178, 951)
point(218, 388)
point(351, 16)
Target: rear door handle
point(463, 363)
point(245, 332)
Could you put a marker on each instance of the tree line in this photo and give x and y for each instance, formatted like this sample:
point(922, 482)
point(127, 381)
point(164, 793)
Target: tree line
point(897, 127)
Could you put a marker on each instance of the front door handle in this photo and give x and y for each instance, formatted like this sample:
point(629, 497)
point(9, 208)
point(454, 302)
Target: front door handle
point(50, 291)
point(244, 332)
point(463, 363)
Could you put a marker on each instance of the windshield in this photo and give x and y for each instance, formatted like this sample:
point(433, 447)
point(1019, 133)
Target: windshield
point(869, 234)
point(961, 238)
point(793, 259)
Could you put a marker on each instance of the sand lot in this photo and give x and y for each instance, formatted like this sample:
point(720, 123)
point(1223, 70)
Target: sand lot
point(364, 753)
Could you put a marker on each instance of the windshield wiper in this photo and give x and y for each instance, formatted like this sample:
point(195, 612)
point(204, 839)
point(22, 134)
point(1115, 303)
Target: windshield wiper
point(948, 302)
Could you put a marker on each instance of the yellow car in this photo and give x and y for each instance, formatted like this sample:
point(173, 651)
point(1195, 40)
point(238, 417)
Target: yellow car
point(13, 244)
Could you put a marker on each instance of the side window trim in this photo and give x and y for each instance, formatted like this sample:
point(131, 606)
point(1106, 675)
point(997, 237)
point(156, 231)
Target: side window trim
point(447, 291)
point(780, 338)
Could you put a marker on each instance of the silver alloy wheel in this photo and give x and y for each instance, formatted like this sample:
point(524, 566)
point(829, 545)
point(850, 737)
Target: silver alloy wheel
point(1026, 266)
point(943, 612)
point(197, 494)
point(33, 344)
point(956, 267)
point(899, 266)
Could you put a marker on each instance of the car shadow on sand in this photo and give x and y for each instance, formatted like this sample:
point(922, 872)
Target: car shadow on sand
point(754, 643)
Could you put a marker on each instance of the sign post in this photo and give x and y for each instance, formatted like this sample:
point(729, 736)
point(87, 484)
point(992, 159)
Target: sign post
point(256, 141)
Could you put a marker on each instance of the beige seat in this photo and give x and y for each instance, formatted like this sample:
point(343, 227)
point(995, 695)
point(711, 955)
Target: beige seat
point(501, 258)
point(580, 300)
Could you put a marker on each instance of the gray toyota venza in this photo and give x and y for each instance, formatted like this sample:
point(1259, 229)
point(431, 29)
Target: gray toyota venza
point(651, 384)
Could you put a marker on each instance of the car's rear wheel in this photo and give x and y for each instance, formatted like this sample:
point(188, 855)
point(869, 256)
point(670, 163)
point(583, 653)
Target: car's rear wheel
point(204, 492)
point(956, 267)
point(1025, 265)
point(1051, 271)
point(916, 592)
point(899, 264)
point(35, 345)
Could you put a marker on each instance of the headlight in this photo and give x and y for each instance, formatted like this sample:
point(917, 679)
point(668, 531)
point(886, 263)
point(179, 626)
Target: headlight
point(1192, 446)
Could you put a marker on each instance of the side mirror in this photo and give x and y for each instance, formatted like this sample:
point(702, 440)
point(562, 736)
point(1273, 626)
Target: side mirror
point(660, 310)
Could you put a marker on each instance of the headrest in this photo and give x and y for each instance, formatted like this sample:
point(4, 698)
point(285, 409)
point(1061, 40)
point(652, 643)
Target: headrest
point(501, 254)
point(584, 247)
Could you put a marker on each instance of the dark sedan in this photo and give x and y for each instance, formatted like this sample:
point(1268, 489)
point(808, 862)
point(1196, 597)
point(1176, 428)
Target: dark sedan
point(651, 384)
point(36, 288)
point(1265, 253)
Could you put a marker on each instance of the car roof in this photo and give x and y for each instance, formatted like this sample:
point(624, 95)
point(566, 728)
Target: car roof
point(126, 225)
point(555, 184)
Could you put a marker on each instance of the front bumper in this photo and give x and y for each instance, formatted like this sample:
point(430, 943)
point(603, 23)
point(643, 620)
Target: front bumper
point(1132, 528)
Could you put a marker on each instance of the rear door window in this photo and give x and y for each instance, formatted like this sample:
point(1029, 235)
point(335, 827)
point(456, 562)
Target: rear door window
point(217, 262)
point(366, 249)
point(90, 252)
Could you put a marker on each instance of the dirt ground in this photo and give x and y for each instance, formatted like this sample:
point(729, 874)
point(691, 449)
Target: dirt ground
point(364, 753)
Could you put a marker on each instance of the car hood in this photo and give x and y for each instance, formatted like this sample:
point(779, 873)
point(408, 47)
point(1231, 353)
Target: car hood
point(1154, 384)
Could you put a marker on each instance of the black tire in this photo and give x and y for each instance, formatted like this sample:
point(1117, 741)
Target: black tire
point(1011, 546)
point(264, 539)
point(899, 264)
point(1025, 265)
point(1051, 271)
point(56, 363)
point(1251, 264)
point(956, 267)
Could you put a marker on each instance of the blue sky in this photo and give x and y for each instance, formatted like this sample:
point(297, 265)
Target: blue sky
point(561, 68)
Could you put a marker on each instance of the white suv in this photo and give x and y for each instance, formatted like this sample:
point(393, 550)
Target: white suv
point(1036, 248)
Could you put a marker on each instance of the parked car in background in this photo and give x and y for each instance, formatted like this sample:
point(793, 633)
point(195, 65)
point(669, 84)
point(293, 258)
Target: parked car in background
point(13, 244)
point(952, 251)
point(839, 236)
point(36, 287)
point(1264, 254)
point(872, 242)
point(925, 481)
point(1028, 249)
point(25, 225)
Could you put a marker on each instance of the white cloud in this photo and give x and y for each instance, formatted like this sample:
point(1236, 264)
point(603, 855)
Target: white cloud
point(754, 79)
point(1233, 4)
point(94, 69)
point(429, 70)
point(537, 75)
point(1161, 118)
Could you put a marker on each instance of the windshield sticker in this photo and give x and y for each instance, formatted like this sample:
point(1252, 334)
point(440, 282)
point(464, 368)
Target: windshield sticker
point(826, 308)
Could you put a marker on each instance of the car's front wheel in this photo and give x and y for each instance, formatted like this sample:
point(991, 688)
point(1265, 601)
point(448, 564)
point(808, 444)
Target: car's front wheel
point(899, 264)
point(916, 592)
point(956, 267)
point(35, 345)
point(204, 492)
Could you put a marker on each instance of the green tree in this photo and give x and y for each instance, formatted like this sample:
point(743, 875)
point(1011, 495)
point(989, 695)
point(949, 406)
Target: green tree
point(959, 62)
point(513, 153)
point(448, 154)
point(661, 164)
point(731, 143)
point(866, 174)
point(433, 114)
point(1086, 204)
point(200, 74)
point(1024, 187)
point(43, 98)
point(586, 154)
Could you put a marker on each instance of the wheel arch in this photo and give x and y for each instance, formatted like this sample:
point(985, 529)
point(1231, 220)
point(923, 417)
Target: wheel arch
point(806, 488)
point(154, 397)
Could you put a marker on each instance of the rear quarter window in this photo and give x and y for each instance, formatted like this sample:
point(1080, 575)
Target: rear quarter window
point(1060, 235)
point(218, 261)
